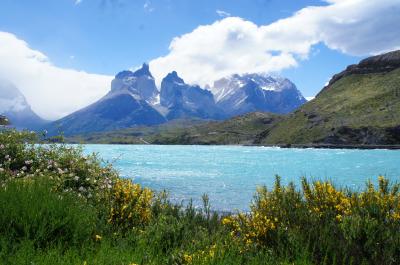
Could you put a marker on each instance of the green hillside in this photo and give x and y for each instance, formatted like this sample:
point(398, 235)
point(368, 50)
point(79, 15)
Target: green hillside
point(356, 109)
point(238, 130)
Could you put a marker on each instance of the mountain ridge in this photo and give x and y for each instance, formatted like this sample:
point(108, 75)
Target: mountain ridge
point(141, 103)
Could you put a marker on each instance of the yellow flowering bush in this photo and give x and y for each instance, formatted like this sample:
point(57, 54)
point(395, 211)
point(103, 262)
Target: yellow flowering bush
point(130, 204)
point(346, 224)
point(324, 200)
point(383, 202)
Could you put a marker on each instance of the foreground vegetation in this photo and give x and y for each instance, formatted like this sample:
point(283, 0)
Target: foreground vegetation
point(58, 206)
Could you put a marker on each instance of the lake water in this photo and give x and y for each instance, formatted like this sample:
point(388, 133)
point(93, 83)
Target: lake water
point(230, 174)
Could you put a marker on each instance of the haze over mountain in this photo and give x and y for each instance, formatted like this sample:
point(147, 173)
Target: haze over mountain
point(15, 107)
point(135, 100)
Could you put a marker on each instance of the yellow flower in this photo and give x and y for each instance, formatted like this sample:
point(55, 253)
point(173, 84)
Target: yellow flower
point(187, 258)
point(98, 237)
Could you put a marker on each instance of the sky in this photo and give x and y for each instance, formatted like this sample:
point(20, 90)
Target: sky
point(63, 54)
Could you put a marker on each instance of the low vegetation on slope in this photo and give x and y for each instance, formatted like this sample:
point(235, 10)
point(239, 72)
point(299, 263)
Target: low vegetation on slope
point(60, 207)
point(360, 106)
point(238, 130)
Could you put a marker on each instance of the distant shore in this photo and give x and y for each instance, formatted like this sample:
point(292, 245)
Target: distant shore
point(319, 146)
point(333, 146)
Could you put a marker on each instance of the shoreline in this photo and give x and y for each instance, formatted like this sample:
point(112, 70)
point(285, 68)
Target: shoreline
point(287, 146)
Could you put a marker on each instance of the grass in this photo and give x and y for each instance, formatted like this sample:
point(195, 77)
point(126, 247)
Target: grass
point(58, 206)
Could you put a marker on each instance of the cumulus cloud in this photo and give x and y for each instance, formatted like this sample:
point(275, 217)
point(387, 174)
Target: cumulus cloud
point(51, 91)
point(234, 45)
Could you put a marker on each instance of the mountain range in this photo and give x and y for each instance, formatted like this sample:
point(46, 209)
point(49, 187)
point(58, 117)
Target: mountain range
point(359, 107)
point(134, 100)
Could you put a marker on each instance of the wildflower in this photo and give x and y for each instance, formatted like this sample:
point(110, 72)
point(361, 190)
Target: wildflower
point(98, 237)
point(81, 189)
point(187, 258)
point(76, 178)
point(2, 146)
point(24, 168)
point(28, 162)
point(1, 169)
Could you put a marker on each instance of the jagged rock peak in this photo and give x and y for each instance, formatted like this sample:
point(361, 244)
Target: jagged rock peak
point(143, 71)
point(173, 77)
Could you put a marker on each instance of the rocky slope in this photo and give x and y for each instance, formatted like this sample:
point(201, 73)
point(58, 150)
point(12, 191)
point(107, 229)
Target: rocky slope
point(14, 105)
point(361, 105)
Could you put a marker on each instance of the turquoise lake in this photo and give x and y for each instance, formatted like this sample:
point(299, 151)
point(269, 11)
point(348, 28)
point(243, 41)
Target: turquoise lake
point(230, 174)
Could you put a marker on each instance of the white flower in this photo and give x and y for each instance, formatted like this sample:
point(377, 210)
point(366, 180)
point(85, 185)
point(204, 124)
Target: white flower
point(81, 189)
point(76, 178)
point(7, 156)
point(60, 171)
point(28, 162)
point(1, 169)
point(24, 168)
point(2, 146)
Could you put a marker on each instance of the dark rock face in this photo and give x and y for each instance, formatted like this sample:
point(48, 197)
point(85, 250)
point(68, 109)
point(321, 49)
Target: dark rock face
point(363, 135)
point(376, 64)
point(185, 101)
point(15, 107)
point(252, 92)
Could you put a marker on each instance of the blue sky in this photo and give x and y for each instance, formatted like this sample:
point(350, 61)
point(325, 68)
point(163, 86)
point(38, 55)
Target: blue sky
point(106, 36)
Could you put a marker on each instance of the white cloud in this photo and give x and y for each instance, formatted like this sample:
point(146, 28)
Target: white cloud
point(51, 91)
point(148, 6)
point(77, 2)
point(234, 45)
point(222, 13)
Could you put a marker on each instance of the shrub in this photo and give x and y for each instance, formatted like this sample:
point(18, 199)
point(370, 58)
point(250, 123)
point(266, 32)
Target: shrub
point(130, 205)
point(336, 225)
point(22, 158)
